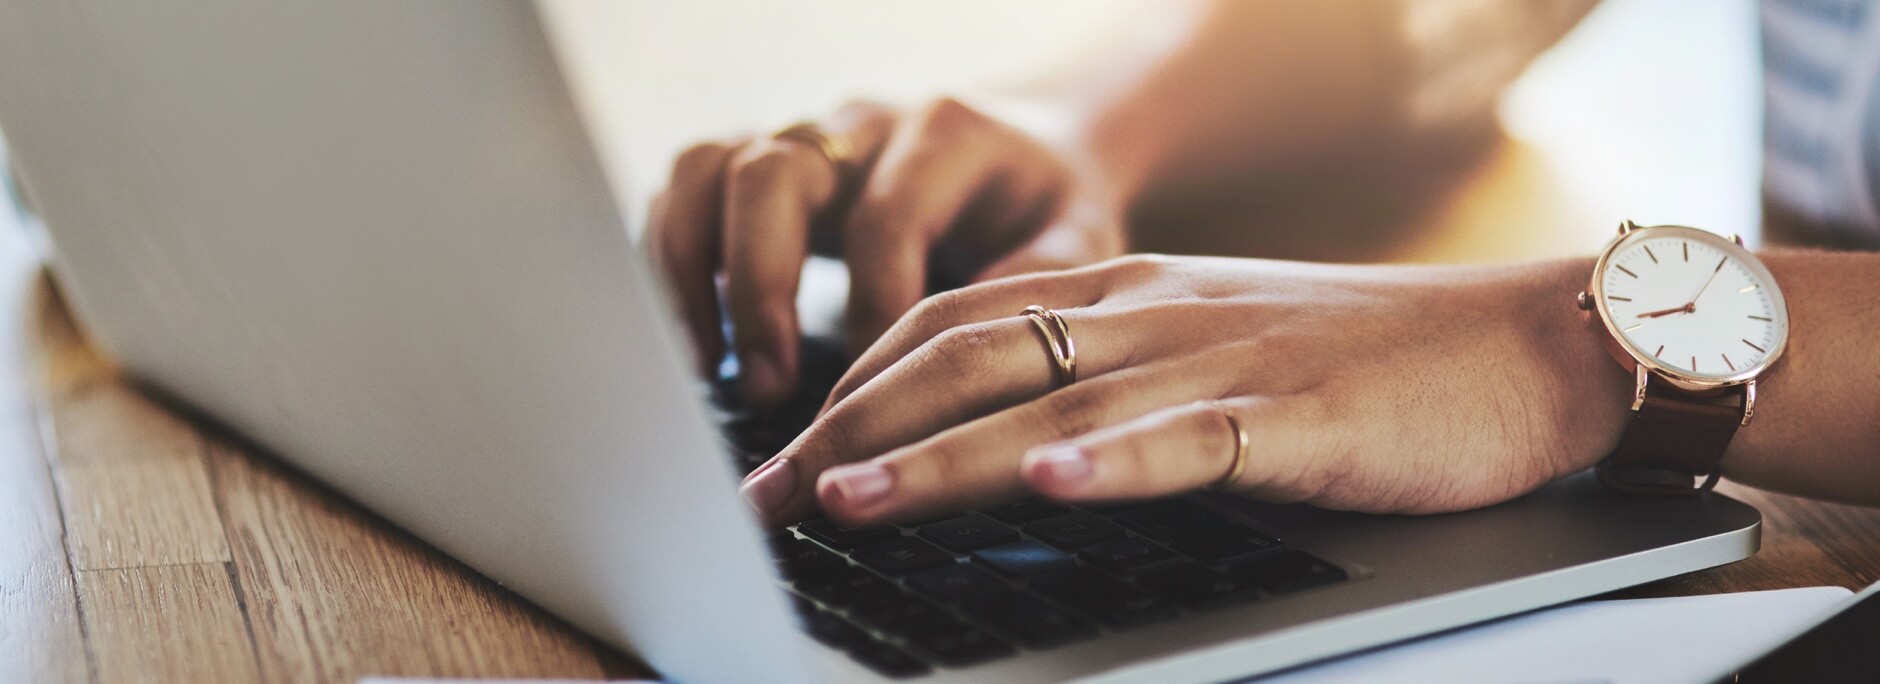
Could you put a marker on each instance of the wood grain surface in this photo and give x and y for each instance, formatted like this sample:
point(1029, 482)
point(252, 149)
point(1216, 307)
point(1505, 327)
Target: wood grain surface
point(136, 546)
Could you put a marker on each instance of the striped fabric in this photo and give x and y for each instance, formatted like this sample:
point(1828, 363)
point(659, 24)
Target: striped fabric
point(1821, 128)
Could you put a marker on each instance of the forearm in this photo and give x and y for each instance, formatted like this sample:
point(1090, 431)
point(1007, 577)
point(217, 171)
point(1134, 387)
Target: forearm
point(1280, 85)
point(1817, 427)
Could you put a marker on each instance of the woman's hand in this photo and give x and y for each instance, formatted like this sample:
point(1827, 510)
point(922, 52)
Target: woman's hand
point(943, 179)
point(1367, 388)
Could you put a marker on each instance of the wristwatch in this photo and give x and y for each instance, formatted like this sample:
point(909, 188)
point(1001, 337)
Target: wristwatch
point(1696, 319)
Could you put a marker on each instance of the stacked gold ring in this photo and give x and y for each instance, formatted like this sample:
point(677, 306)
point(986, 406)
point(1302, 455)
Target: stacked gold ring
point(1057, 338)
point(1241, 445)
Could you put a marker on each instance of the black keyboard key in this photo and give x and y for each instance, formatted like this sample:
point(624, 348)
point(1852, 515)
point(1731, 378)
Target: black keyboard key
point(1025, 510)
point(1126, 556)
point(901, 555)
point(798, 558)
point(958, 644)
point(840, 536)
point(888, 660)
point(1112, 507)
point(1224, 544)
point(967, 533)
point(955, 582)
point(1025, 560)
point(899, 613)
point(1163, 520)
point(1288, 571)
point(1102, 598)
point(1031, 621)
point(1195, 586)
point(1073, 530)
point(846, 586)
point(832, 630)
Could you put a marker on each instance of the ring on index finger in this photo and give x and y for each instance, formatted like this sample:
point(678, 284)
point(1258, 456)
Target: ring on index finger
point(835, 148)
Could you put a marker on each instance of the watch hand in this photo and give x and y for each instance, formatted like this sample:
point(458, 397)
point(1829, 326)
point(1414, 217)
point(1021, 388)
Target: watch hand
point(1707, 281)
point(1687, 308)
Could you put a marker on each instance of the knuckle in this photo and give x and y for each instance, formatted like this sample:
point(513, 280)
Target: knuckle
point(698, 160)
point(928, 462)
point(948, 116)
point(961, 352)
point(1074, 411)
point(1139, 265)
point(938, 312)
point(766, 164)
point(831, 435)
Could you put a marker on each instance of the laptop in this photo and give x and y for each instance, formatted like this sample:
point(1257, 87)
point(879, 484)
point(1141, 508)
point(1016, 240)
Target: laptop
point(375, 238)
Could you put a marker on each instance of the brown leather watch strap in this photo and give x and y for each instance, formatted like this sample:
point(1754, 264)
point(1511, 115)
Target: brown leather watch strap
point(1673, 438)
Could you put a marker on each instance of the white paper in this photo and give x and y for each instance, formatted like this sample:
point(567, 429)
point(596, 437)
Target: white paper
point(1664, 640)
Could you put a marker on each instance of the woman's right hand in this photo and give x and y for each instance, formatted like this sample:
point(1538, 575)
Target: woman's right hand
point(943, 177)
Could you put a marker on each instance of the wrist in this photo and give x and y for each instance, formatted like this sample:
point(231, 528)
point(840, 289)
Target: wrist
point(1589, 391)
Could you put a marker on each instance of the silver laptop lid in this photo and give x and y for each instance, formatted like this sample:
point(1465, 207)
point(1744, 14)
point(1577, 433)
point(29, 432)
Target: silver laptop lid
point(374, 237)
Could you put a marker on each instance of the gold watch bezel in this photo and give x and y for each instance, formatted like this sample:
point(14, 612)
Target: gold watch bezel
point(1633, 358)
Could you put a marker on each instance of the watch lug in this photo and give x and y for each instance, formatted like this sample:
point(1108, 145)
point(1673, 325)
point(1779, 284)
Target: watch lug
point(1627, 226)
point(1638, 394)
point(1749, 402)
point(1736, 238)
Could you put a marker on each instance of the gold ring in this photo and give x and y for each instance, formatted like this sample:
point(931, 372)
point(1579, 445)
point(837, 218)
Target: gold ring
point(834, 148)
point(1057, 338)
point(1241, 444)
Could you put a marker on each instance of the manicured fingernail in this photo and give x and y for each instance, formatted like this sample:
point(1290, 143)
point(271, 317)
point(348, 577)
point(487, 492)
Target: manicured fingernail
point(860, 485)
point(1063, 464)
point(764, 382)
point(770, 488)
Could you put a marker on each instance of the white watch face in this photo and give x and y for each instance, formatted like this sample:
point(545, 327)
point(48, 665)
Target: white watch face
point(1697, 304)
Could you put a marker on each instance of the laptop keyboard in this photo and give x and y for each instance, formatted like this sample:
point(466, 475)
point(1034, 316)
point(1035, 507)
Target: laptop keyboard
point(1028, 575)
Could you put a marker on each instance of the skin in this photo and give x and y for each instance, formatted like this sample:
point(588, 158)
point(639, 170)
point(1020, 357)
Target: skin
point(942, 175)
point(1390, 389)
point(1369, 388)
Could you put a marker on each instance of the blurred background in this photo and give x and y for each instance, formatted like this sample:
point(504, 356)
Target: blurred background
point(1649, 109)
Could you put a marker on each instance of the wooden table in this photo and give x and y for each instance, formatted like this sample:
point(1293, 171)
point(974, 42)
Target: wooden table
point(137, 546)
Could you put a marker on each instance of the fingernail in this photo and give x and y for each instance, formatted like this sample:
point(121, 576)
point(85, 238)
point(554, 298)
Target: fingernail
point(860, 485)
point(1063, 464)
point(770, 488)
point(764, 382)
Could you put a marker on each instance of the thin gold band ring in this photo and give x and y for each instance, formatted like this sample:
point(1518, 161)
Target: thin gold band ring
point(1057, 338)
point(1241, 445)
point(834, 148)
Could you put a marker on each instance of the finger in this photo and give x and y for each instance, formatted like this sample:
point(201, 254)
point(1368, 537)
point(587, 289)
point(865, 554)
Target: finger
point(978, 464)
point(683, 235)
point(1182, 448)
point(770, 189)
point(963, 374)
point(931, 167)
point(774, 190)
point(982, 302)
point(1085, 234)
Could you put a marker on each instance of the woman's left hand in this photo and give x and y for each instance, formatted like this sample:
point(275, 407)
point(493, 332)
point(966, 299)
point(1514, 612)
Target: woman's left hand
point(1370, 388)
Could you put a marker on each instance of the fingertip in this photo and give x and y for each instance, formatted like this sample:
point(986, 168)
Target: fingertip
point(853, 494)
point(770, 488)
point(767, 379)
point(1058, 470)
